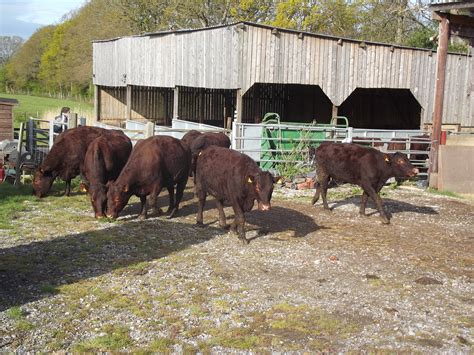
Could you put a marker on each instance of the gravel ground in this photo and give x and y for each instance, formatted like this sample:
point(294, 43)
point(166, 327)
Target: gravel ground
point(310, 279)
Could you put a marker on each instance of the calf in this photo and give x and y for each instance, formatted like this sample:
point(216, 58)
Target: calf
point(190, 136)
point(156, 162)
point(233, 177)
point(103, 162)
point(206, 140)
point(366, 167)
point(65, 158)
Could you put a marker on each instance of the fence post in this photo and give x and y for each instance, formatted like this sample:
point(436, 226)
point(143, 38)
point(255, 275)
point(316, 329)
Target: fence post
point(51, 134)
point(72, 122)
point(149, 130)
point(18, 159)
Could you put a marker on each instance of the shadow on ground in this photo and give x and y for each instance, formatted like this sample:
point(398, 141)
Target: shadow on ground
point(390, 206)
point(26, 270)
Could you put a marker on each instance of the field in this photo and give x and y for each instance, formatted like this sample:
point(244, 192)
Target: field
point(309, 281)
point(44, 107)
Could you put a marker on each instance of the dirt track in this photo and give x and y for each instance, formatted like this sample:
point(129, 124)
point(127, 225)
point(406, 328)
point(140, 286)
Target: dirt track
point(309, 279)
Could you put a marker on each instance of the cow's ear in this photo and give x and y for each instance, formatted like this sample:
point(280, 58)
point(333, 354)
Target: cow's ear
point(250, 179)
point(386, 158)
point(125, 188)
point(277, 179)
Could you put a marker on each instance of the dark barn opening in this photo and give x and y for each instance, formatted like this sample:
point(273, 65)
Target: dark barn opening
point(209, 106)
point(382, 109)
point(293, 102)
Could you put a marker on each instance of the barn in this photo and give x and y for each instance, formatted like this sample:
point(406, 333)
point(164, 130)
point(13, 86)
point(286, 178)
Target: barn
point(244, 70)
point(6, 118)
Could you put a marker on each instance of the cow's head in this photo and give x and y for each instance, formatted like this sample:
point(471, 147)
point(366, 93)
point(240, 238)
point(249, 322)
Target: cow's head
point(117, 197)
point(98, 196)
point(42, 182)
point(262, 184)
point(401, 166)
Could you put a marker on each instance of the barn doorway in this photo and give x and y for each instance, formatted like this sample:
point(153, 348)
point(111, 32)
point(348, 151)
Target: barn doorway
point(382, 109)
point(293, 102)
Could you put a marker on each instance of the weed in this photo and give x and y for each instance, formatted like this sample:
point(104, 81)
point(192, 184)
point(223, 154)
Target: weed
point(116, 338)
point(161, 345)
point(16, 313)
point(46, 288)
point(442, 193)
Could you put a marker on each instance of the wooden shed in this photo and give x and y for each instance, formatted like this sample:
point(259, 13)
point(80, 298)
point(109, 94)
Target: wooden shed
point(246, 70)
point(6, 118)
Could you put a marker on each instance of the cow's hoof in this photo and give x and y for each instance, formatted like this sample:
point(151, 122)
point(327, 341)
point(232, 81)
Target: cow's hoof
point(244, 240)
point(141, 217)
point(225, 226)
point(172, 213)
point(199, 224)
point(385, 221)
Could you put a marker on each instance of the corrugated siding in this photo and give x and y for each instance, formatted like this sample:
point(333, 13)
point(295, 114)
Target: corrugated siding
point(232, 57)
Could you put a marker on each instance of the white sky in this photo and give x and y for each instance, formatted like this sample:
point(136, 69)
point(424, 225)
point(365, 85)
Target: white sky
point(23, 17)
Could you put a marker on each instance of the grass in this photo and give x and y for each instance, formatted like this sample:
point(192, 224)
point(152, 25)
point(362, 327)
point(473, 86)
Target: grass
point(13, 200)
point(443, 193)
point(116, 337)
point(36, 106)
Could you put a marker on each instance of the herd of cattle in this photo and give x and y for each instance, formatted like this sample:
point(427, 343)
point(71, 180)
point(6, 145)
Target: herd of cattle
point(112, 172)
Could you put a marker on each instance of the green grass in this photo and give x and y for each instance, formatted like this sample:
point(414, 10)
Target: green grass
point(443, 193)
point(36, 106)
point(12, 201)
point(116, 338)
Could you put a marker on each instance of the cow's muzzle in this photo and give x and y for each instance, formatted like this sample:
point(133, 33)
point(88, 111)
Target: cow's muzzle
point(264, 206)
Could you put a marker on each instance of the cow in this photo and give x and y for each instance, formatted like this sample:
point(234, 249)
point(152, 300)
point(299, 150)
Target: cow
point(233, 177)
point(156, 162)
point(366, 167)
point(103, 162)
point(190, 136)
point(206, 140)
point(65, 158)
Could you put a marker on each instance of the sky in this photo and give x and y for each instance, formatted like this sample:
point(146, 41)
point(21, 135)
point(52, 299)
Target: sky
point(23, 17)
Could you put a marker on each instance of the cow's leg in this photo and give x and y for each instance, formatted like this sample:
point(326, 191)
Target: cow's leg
point(220, 208)
point(68, 188)
point(363, 203)
point(317, 193)
point(171, 205)
point(179, 195)
point(143, 210)
point(201, 195)
point(153, 201)
point(324, 190)
point(378, 202)
point(239, 222)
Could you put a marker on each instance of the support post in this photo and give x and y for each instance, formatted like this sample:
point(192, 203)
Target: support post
point(149, 130)
point(128, 113)
point(442, 54)
point(335, 110)
point(96, 103)
point(72, 122)
point(239, 106)
point(175, 103)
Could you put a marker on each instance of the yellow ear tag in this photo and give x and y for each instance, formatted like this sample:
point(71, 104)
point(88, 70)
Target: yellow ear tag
point(386, 159)
point(249, 180)
point(200, 153)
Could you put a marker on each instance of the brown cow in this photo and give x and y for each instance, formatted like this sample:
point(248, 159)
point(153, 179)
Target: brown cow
point(190, 136)
point(156, 162)
point(206, 140)
point(103, 162)
point(65, 158)
point(233, 177)
point(366, 167)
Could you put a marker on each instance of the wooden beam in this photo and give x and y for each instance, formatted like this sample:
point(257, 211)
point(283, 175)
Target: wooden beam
point(452, 6)
point(97, 91)
point(128, 112)
point(175, 103)
point(442, 54)
point(239, 105)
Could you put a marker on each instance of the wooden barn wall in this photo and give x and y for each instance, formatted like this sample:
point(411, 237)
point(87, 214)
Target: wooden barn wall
point(152, 104)
point(113, 105)
point(6, 122)
point(209, 106)
point(233, 57)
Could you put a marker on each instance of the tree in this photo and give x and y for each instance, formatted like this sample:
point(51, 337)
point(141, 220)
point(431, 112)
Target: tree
point(8, 46)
